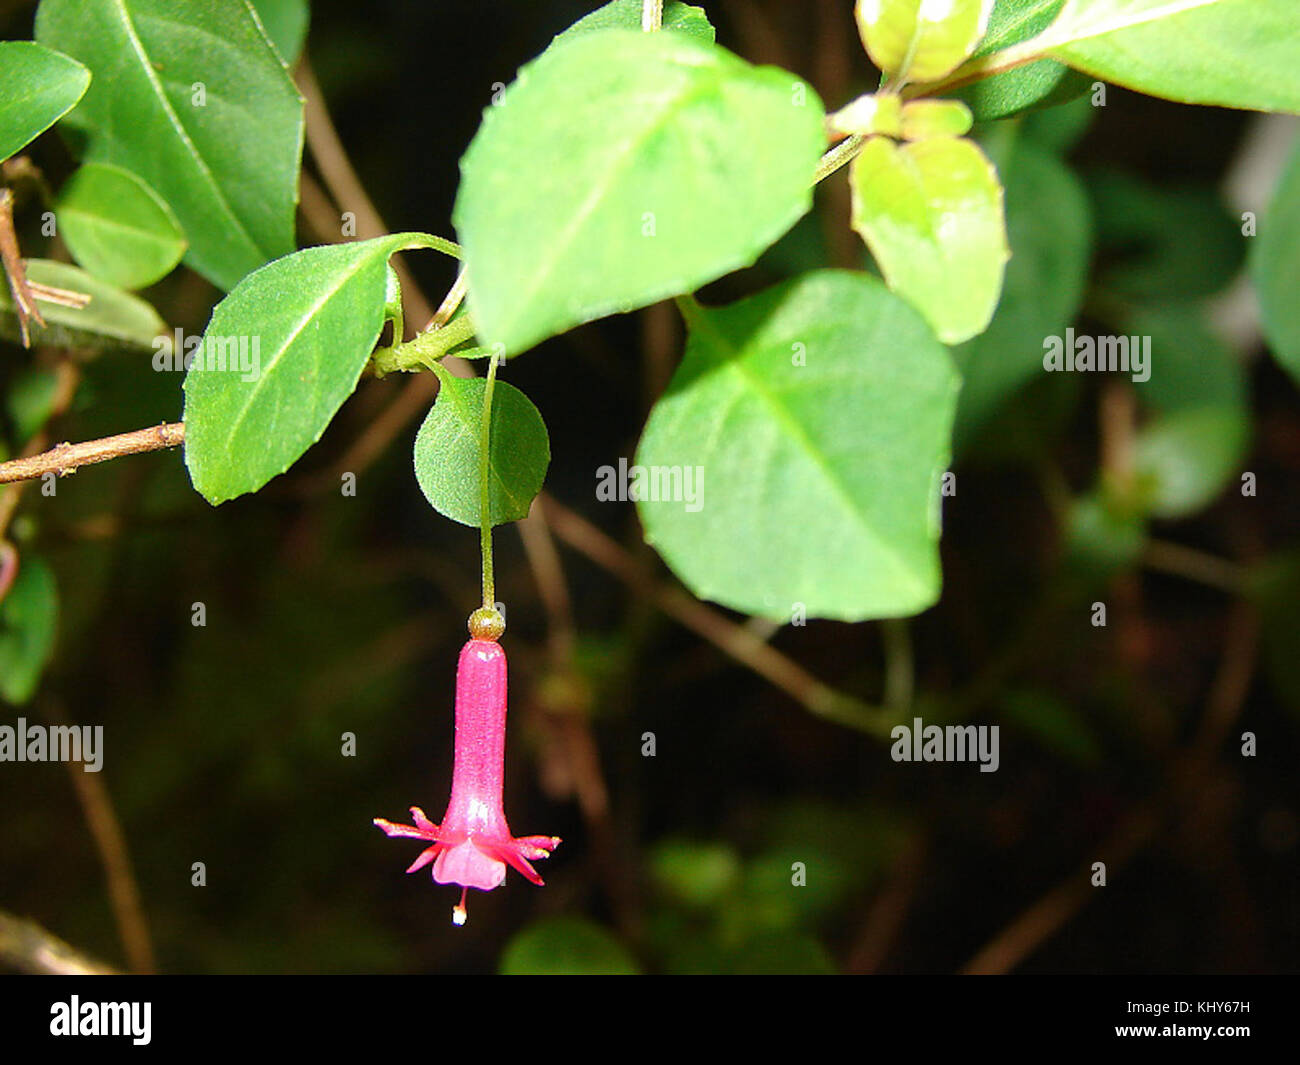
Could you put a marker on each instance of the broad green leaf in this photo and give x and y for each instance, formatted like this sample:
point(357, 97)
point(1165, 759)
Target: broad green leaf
point(447, 451)
point(1103, 536)
point(795, 457)
point(117, 227)
point(1044, 81)
point(1275, 268)
point(560, 946)
point(921, 40)
point(626, 15)
point(280, 355)
point(1232, 53)
point(1049, 234)
point(192, 97)
point(113, 320)
point(1185, 459)
point(285, 22)
point(1059, 128)
point(931, 213)
point(38, 86)
point(28, 620)
point(621, 168)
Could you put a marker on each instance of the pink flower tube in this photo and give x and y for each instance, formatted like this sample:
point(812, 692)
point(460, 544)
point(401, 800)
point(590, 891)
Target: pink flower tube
point(473, 844)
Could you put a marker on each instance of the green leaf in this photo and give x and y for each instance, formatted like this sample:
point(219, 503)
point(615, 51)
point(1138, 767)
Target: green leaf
point(117, 227)
point(1048, 230)
point(1186, 458)
point(1055, 724)
point(931, 213)
point(626, 15)
point(113, 320)
point(1231, 53)
point(1275, 266)
point(1274, 586)
point(28, 621)
point(1042, 82)
point(621, 168)
point(920, 40)
point(560, 946)
point(280, 355)
point(813, 421)
point(447, 451)
point(696, 874)
point(781, 953)
point(38, 86)
point(285, 22)
point(1191, 366)
point(29, 399)
point(191, 96)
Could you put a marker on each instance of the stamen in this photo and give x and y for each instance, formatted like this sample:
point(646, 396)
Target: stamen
point(459, 915)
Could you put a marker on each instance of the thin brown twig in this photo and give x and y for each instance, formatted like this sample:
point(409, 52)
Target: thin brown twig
point(110, 842)
point(65, 458)
point(24, 302)
point(733, 639)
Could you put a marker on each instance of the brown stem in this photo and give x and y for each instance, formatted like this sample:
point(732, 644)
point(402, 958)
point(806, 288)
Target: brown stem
point(63, 459)
point(24, 301)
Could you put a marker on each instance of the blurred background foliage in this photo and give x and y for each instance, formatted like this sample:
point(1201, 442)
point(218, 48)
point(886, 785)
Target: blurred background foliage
point(327, 614)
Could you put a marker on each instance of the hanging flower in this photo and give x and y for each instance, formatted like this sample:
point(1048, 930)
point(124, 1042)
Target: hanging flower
point(473, 844)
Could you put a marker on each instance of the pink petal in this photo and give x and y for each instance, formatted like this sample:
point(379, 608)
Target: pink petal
point(426, 856)
point(469, 866)
point(407, 831)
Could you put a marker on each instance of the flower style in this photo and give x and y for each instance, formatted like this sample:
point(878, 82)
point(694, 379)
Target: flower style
point(473, 844)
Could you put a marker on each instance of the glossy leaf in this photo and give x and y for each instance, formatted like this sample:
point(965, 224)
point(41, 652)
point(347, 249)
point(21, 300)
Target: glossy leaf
point(117, 227)
point(447, 451)
point(813, 419)
point(920, 40)
point(621, 168)
point(280, 355)
point(921, 119)
point(931, 213)
point(28, 621)
point(192, 97)
point(113, 320)
point(1044, 81)
point(285, 22)
point(626, 15)
point(566, 945)
point(38, 86)
point(1275, 268)
point(1233, 53)
point(1049, 233)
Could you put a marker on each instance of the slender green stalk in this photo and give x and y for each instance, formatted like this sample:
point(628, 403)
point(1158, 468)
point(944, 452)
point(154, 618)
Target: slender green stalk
point(423, 348)
point(485, 509)
point(652, 15)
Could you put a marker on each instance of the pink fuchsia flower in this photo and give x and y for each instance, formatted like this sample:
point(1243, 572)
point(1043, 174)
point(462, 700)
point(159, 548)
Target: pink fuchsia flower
point(473, 844)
